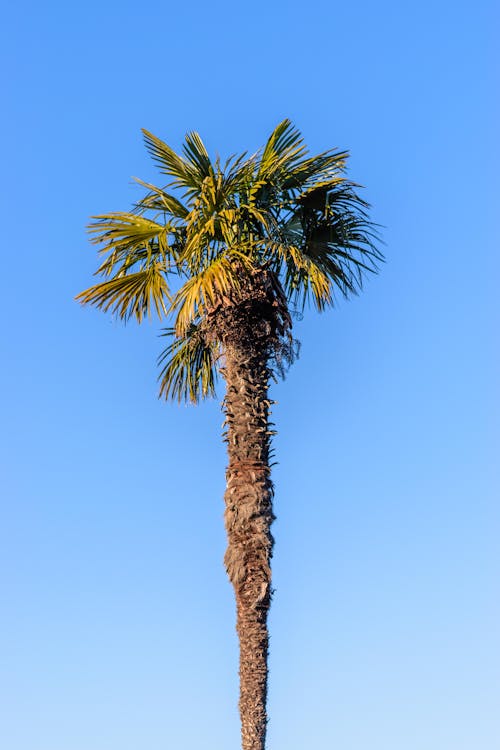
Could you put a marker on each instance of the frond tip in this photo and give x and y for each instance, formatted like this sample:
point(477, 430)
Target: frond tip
point(132, 295)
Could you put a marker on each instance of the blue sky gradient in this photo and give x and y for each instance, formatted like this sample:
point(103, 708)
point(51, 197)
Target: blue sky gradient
point(117, 622)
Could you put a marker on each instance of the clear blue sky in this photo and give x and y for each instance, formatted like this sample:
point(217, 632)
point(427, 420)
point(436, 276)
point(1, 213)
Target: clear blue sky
point(117, 624)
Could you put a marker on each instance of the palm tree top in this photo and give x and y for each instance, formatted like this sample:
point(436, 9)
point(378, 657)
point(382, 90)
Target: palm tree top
point(195, 242)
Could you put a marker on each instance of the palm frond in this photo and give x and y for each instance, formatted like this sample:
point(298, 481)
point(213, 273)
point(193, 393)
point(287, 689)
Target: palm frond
point(170, 163)
point(283, 150)
point(136, 294)
point(188, 366)
point(215, 283)
point(197, 155)
point(303, 277)
point(331, 220)
point(310, 172)
point(159, 200)
point(126, 231)
point(316, 196)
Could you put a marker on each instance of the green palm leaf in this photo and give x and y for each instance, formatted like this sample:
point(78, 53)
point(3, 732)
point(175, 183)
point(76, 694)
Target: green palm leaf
point(212, 285)
point(132, 295)
point(197, 155)
point(314, 171)
point(187, 172)
point(282, 152)
point(159, 200)
point(188, 366)
point(126, 232)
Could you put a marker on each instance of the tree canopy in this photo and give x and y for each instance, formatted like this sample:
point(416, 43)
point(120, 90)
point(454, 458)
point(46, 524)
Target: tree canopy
point(195, 243)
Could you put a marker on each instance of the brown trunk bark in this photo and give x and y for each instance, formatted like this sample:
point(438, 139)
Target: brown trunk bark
point(248, 518)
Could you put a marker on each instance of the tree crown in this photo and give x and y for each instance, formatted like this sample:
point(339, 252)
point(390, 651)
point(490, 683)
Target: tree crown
point(198, 241)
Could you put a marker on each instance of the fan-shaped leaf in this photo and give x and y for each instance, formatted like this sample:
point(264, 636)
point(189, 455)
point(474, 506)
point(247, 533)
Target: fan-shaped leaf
point(132, 295)
point(188, 363)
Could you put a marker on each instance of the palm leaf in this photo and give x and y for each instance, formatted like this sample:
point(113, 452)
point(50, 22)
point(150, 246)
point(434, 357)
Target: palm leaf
point(212, 285)
point(158, 200)
point(188, 363)
point(126, 231)
point(303, 277)
point(170, 163)
point(284, 148)
point(315, 170)
point(131, 295)
point(197, 155)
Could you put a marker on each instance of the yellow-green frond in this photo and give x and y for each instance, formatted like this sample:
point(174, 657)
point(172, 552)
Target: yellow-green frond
point(126, 231)
point(188, 366)
point(197, 155)
point(284, 148)
point(303, 278)
point(188, 171)
point(159, 200)
point(170, 163)
point(133, 295)
point(207, 288)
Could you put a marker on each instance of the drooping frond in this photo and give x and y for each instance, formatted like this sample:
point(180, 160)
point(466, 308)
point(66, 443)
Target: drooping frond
point(302, 276)
point(131, 295)
point(131, 242)
point(214, 284)
point(329, 225)
point(188, 366)
point(315, 170)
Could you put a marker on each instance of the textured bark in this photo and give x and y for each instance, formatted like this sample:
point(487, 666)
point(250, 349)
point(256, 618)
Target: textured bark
point(253, 326)
point(248, 518)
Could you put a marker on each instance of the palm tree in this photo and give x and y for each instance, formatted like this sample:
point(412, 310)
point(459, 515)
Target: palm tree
point(244, 243)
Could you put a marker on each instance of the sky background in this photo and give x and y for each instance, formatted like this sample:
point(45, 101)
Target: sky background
point(117, 621)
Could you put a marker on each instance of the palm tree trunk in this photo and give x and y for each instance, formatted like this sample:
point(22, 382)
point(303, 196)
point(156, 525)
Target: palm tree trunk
point(248, 518)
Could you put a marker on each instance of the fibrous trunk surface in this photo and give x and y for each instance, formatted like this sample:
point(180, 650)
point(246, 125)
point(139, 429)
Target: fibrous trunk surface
point(248, 518)
point(253, 327)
